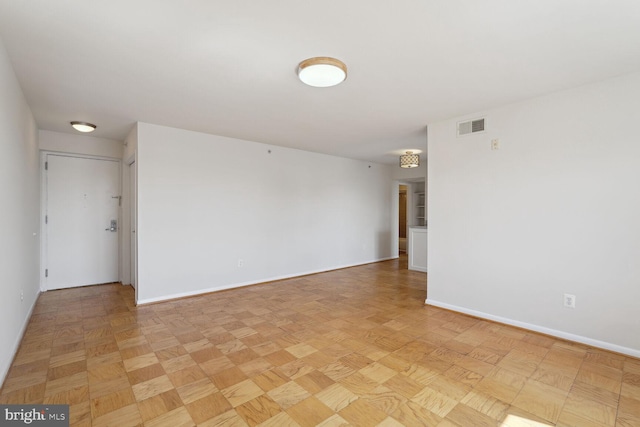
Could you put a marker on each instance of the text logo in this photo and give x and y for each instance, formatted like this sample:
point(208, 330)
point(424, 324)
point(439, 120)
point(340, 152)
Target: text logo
point(34, 415)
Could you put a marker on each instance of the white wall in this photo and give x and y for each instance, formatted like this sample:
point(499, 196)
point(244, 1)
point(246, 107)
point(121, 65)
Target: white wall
point(19, 212)
point(412, 174)
point(205, 201)
point(555, 210)
point(80, 144)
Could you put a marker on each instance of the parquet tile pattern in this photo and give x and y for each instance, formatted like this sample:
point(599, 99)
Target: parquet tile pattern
point(349, 347)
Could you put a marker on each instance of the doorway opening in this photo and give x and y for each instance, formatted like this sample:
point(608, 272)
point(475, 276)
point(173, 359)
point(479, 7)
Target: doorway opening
point(402, 220)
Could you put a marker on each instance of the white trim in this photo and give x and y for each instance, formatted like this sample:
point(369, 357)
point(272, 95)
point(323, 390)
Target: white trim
point(132, 249)
point(255, 282)
point(541, 329)
point(82, 156)
point(395, 217)
point(43, 211)
point(125, 243)
point(16, 344)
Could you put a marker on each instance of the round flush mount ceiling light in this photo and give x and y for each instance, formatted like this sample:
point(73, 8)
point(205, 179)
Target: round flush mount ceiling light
point(322, 71)
point(83, 126)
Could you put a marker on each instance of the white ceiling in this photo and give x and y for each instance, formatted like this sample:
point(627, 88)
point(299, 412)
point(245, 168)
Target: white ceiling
point(228, 67)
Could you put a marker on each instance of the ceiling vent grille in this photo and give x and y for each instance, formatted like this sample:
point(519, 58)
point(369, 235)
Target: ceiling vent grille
point(472, 126)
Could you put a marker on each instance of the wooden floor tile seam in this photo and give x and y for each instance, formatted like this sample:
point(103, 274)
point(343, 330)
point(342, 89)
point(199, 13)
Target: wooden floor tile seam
point(362, 328)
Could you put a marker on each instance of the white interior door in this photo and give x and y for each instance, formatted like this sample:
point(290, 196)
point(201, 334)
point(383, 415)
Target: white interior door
point(82, 202)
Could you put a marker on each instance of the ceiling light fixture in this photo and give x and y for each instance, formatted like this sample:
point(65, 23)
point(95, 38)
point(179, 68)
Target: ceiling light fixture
point(322, 71)
point(409, 160)
point(83, 126)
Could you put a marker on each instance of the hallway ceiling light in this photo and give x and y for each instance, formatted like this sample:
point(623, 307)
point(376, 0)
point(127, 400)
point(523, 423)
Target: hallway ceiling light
point(322, 71)
point(409, 160)
point(83, 126)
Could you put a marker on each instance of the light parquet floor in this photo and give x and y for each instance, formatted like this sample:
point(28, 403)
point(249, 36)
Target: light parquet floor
point(349, 347)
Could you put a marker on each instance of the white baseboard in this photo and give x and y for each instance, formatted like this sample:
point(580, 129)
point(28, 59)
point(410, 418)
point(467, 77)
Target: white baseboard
point(541, 329)
point(253, 282)
point(16, 344)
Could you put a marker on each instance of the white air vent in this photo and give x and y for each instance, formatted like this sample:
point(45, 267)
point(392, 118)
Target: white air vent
point(472, 126)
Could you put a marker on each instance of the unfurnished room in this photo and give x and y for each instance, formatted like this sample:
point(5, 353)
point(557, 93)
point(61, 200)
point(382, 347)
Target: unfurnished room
point(421, 213)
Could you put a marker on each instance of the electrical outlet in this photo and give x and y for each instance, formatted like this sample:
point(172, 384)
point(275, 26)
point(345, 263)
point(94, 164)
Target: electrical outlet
point(569, 301)
point(21, 295)
point(495, 144)
point(240, 263)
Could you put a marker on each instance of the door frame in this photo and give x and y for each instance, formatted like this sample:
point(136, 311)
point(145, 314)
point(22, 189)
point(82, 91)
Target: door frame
point(44, 203)
point(395, 212)
point(130, 242)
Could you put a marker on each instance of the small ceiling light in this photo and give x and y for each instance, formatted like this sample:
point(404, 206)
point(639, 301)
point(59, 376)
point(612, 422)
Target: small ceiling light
point(322, 71)
point(83, 126)
point(409, 160)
